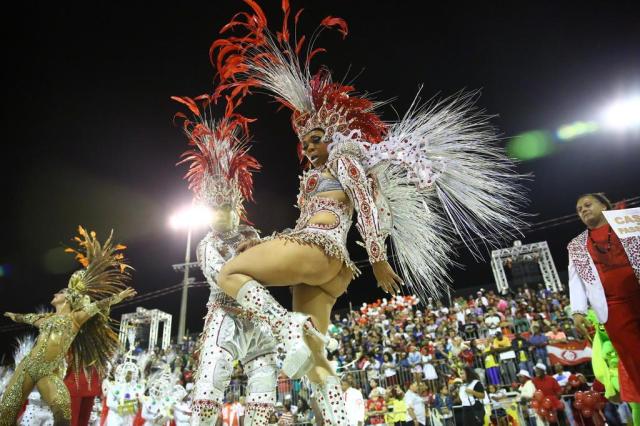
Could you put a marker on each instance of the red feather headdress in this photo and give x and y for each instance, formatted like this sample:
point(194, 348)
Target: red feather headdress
point(220, 168)
point(259, 59)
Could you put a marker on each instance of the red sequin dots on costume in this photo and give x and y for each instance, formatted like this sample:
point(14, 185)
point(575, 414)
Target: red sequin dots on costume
point(632, 249)
point(331, 402)
point(312, 183)
point(580, 259)
point(258, 414)
point(261, 388)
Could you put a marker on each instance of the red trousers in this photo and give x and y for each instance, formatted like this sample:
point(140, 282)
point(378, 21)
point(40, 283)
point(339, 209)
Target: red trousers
point(81, 410)
point(623, 328)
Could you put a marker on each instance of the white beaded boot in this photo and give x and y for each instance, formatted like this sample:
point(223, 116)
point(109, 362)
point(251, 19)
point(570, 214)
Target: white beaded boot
point(330, 400)
point(261, 389)
point(289, 328)
point(257, 414)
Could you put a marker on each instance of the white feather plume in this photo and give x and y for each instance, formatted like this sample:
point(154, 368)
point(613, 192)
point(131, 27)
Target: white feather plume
point(445, 177)
point(277, 68)
point(23, 346)
point(421, 239)
point(6, 373)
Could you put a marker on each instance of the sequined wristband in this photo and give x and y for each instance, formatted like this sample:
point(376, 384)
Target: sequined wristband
point(377, 251)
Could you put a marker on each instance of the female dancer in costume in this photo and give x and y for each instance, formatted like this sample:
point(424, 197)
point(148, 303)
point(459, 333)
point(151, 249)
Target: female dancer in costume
point(37, 412)
point(220, 174)
point(604, 272)
point(397, 178)
point(80, 323)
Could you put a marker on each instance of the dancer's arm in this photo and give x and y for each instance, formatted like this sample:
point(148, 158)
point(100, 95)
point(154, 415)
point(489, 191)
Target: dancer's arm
point(31, 319)
point(353, 178)
point(83, 315)
point(209, 258)
point(578, 300)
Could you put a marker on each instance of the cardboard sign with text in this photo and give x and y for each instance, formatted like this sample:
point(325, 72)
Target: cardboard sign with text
point(625, 223)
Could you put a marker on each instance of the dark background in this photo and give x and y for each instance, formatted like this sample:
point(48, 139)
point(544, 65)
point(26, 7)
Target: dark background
point(88, 134)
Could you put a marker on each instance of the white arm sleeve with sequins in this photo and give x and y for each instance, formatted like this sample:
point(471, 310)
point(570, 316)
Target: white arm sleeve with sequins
point(353, 178)
point(577, 292)
point(210, 259)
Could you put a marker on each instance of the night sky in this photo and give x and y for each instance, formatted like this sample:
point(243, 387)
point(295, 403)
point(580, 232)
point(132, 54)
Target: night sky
point(89, 139)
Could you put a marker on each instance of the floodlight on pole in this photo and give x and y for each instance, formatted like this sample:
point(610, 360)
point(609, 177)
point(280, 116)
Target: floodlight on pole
point(194, 216)
point(623, 114)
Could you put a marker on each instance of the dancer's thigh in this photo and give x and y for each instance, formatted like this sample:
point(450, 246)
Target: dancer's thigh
point(317, 301)
point(283, 263)
point(16, 393)
point(55, 393)
point(314, 302)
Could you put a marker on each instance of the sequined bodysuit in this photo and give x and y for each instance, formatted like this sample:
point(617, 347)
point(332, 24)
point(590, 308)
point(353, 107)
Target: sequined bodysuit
point(45, 363)
point(343, 172)
point(47, 357)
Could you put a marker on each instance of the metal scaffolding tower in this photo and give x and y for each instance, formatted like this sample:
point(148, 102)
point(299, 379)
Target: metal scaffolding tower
point(534, 252)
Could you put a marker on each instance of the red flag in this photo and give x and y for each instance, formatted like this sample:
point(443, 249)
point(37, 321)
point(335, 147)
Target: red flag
point(569, 353)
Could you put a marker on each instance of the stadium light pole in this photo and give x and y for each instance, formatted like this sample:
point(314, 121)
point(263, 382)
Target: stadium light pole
point(189, 218)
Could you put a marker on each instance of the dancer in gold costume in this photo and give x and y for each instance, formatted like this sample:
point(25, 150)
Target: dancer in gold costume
point(79, 330)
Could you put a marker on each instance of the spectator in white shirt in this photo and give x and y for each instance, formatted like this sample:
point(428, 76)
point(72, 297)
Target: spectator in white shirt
point(561, 376)
point(415, 406)
point(353, 404)
point(492, 320)
point(481, 300)
point(525, 395)
point(389, 367)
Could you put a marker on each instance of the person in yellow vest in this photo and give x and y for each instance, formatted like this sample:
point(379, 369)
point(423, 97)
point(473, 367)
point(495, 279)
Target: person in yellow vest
point(397, 409)
point(523, 353)
point(501, 344)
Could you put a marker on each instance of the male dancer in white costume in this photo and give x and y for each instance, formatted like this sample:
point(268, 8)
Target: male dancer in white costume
point(220, 175)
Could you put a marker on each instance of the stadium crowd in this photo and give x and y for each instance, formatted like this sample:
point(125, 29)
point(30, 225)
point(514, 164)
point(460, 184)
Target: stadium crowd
point(409, 363)
point(404, 363)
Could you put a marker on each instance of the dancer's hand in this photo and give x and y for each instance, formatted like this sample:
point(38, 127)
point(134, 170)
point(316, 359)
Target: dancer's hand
point(10, 315)
point(247, 244)
point(581, 325)
point(387, 279)
point(125, 294)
